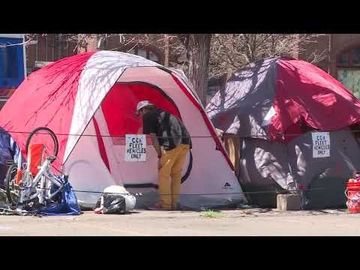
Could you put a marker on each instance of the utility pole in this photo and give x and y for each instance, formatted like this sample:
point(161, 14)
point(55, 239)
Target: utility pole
point(167, 51)
point(329, 56)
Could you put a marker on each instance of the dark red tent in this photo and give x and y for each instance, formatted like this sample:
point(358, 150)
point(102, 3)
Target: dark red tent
point(276, 107)
point(280, 98)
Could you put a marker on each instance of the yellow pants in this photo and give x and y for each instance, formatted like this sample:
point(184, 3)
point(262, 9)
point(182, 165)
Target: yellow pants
point(172, 163)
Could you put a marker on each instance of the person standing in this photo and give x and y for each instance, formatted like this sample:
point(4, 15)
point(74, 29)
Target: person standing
point(172, 143)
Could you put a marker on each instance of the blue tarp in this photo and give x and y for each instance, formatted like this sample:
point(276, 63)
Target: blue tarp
point(8, 148)
point(9, 151)
point(68, 204)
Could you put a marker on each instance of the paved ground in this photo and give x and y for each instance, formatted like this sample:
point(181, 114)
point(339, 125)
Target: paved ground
point(249, 222)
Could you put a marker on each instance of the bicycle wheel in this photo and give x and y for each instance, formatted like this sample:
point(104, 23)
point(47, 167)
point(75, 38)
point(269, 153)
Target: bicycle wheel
point(11, 188)
point(41, 134)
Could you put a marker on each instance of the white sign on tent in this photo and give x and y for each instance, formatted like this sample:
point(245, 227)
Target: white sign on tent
point(135, 147)
point(321, 144)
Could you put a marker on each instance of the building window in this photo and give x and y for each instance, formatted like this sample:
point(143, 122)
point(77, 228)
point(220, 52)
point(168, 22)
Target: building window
point(343, 59)
point(153, 57)
point(350, 78)
point(355, 57)
point(349, 58)
point(142, 53)
point(348, 70)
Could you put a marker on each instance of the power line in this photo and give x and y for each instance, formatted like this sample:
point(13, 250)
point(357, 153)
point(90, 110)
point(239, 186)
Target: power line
point(191, 136)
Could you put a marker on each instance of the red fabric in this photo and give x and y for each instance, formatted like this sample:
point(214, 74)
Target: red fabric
point(36, 154)
point(18, 176)
point(53, 105)
point(101, 145)
point(120, 106)
point(308, 96)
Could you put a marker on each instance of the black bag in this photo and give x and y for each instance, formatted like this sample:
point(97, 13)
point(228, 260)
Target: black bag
point(111, 204)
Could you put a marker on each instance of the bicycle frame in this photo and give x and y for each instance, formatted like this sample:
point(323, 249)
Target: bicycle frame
point(33, 181)
point(37, 186)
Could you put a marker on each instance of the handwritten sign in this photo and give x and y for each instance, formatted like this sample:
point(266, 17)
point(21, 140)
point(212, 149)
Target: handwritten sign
point(135, 147)
point(321, 144)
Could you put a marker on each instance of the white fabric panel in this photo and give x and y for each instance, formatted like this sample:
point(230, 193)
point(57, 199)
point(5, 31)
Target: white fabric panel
point(115, 170)
point(126, 172)
point(136, 172)
point(211, 175)
point(122, 171)
point(99, 75)
point(210, 169)
point(86, 169)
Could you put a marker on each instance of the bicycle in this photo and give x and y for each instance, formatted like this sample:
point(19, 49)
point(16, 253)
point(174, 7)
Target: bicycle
point(33, 182)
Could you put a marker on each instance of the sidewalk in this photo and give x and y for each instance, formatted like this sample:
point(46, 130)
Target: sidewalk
point(249, 222)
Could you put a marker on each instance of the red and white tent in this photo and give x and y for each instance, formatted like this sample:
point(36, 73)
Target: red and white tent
point(89, 101)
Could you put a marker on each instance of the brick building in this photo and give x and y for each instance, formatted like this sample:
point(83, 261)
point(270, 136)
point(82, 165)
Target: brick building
point(48, 48)
point(342, 58)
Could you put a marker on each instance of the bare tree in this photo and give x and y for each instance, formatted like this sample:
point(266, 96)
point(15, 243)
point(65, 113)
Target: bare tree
point(190, 52)
point(200, 55)
point(231, 51)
